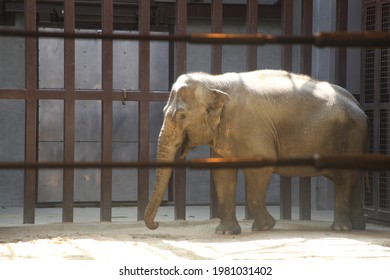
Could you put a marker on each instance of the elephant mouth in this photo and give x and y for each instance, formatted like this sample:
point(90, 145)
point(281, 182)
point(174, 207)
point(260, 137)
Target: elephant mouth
point(187, 146)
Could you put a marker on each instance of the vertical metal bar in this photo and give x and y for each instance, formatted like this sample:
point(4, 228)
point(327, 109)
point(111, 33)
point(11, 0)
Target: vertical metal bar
point(376, 104)
point(287, 29)
point(144, 76)
point(251, 58)
point(30, 175)
point(107, 65)
point(251, 28)
point(216, 68)
point(69, 112)
point(181, 29)
point(181, 67)
point(306, 68)
point(341, 53)
point(285, 198)
point(306, 29)
point(172, 44)
point(305, 198)
point(216, 27)
point(171, 80)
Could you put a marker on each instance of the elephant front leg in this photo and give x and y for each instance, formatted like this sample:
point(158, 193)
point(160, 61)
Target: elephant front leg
point(256, 188)
point(225, 182)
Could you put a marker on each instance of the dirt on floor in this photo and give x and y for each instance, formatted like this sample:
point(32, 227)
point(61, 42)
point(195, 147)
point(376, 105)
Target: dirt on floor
point(190, 240)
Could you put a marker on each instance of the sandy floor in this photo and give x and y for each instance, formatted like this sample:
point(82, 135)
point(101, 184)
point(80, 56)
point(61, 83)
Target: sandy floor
point(190, 240)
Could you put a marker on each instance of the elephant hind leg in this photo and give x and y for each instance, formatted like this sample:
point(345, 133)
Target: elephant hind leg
point(357, 218)
point(348, 209)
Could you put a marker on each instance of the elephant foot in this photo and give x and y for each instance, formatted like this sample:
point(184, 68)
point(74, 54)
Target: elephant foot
point(228, 229)
point(358, 223)
point(341, 226)
point(263, 225)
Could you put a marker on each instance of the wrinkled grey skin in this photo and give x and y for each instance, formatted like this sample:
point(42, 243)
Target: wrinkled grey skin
point(266, 113)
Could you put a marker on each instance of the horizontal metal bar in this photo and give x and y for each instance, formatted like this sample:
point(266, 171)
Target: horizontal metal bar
point(360, 162)
point(320, 39)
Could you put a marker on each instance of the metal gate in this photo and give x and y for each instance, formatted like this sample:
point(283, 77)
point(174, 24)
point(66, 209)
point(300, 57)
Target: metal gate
point(376, 102)
point(73, 117)
point(102, 100)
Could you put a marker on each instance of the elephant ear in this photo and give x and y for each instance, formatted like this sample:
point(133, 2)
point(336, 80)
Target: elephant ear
point(216, 101)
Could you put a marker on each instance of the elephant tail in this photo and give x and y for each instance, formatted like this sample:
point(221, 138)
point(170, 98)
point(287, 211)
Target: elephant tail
point(368, 186)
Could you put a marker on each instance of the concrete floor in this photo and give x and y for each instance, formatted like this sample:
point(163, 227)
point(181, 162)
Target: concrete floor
point(193, 239)
point(11, 216)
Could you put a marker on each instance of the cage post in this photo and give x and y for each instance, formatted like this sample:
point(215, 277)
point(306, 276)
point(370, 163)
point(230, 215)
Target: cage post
point(144, 84)
point(69, 112)
point(216, 68)
point(341, 53)
point(287, 29)
point(251, 59)
point(306, 68)
point(107, 65)
point(30, 175)
point(181, 68)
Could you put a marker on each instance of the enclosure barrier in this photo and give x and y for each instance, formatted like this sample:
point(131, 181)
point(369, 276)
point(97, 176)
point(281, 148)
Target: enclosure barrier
point(320, 39)
point(370, 162)
point(327, 39)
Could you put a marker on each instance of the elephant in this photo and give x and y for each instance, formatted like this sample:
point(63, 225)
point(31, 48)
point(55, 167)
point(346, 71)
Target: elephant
point(264, 113)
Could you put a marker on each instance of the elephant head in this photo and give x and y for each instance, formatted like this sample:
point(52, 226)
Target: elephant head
point(191, 117)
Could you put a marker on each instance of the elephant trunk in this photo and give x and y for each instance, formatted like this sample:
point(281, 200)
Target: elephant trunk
point(167, 147)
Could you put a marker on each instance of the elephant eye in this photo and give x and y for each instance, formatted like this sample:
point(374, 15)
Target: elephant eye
point(182, 116)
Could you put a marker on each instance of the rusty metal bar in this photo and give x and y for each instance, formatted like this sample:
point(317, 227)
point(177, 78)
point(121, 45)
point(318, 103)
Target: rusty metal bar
point(144, 84)
point(341, 53)
point(319, 39)
point(30, 185)
point(181, 68)
point(216, 27)
point(251, 28)
point(107, 66)
point(305, 198)
point(216, 68)
point(251, 61)
point(306, 68)
point(287, 30)
point(375, 162)
point(69, 112)
point(285, 198)
point(306, 29)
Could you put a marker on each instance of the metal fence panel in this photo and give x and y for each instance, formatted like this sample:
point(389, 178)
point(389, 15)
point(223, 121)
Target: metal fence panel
point(51, 120)
point(88, 121)
point(12, 131)
point(87, 181)
point(159, 64)
point(125, 121)
point(51, 61)
point(124, 181)
point(12, 66)
point(50, 182)
point(125, 63)
point(88, 63)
